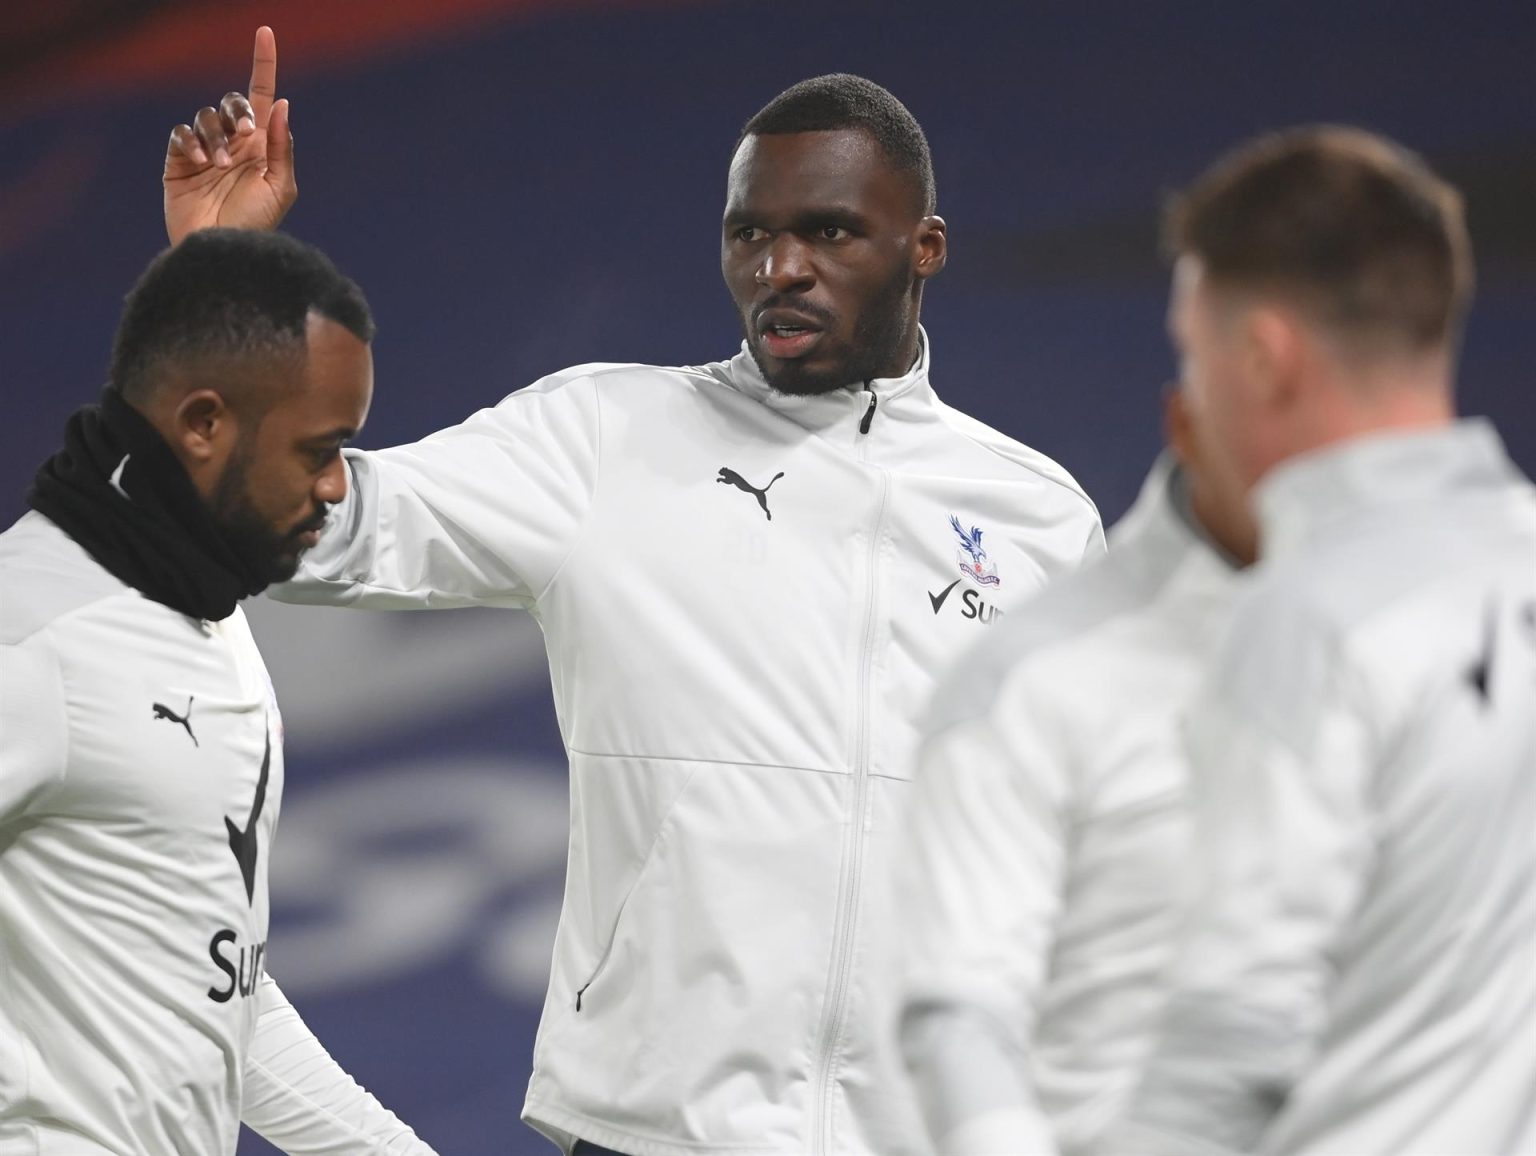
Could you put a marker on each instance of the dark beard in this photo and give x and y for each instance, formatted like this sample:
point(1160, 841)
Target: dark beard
point(272, 553)
point(877, 339)
point(119, 490)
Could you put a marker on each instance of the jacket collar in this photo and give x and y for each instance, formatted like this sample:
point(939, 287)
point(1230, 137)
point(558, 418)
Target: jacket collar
point(907, 395)
point(1300, 495)
point(1162, 529)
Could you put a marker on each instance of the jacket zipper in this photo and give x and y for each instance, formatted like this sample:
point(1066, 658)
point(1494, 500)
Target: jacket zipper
point(602, 960)
point(853, 847)
point(869, 414)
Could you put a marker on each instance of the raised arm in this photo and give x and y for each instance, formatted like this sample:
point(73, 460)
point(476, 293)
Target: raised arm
point(232, 167)
point(483, 513)
point(299, 1099)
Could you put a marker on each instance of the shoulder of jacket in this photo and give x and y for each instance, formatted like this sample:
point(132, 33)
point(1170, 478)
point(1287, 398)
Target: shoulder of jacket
point(1284, 661)
point(606, 376)
point(1027, 646)
point(1289, 601)
point(1318, 596)
point(45, 575)
point(1030, 461)
point(1366, 567)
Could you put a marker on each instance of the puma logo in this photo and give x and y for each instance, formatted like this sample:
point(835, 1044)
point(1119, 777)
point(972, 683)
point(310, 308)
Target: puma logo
point(184, 720)
point(729, 477)
point(243, 842)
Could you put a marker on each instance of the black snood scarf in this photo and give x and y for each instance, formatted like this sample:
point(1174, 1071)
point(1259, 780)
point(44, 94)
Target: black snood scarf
point(118, 489)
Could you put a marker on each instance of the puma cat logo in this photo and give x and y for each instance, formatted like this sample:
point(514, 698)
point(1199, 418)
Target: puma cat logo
point(184, 720)
point(729, 477)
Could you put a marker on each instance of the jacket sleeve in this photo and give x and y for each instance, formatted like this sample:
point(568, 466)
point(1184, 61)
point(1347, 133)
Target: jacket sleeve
point(1279, 748)
point(482, 513)
point(981, 891)
point(299, 1100)
point(34, 729)
point(1096, 546)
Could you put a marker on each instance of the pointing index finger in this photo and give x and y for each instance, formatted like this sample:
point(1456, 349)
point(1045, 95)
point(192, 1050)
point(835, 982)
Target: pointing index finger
point(263, 87)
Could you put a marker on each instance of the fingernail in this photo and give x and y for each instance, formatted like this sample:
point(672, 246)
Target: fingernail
point(245, 126)
point(199, 156)
point(221, 158)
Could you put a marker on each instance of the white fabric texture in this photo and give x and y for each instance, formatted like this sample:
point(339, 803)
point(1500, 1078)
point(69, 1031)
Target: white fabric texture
point(138, 747)
point(747, 602)
point(1048, 844)
point(1359, 970)
point(300, 1100)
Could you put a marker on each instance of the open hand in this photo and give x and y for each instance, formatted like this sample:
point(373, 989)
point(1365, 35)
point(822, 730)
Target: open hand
point(233, 168)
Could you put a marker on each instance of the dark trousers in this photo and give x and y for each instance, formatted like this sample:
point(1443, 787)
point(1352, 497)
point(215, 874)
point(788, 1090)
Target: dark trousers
point(585, 1149)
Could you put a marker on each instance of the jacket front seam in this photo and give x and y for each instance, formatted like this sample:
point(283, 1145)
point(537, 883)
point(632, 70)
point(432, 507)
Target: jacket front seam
point(828, 1063)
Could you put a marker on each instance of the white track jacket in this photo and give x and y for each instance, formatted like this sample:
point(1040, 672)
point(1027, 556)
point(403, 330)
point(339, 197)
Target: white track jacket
point(747, 599)
point(141, 775)
point(1049, 843)
point(1360, 973)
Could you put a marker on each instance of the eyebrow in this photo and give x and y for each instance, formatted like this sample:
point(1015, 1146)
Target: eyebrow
point(340, 434)
point(809, 218)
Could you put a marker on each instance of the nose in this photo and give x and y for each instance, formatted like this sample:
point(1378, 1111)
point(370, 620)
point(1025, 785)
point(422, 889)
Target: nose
point(331, 485)
point(786, 266)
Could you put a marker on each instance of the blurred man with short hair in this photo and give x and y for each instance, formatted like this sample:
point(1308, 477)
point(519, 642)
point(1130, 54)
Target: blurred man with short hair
point(1359, 970)
point(1047, 850)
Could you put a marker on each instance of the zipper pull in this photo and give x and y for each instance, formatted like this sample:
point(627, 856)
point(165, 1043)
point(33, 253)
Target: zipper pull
point(869, 414)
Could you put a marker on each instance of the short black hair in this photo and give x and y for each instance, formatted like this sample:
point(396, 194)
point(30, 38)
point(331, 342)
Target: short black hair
point(1354, 227)
point(229, 293)
point(841, 100)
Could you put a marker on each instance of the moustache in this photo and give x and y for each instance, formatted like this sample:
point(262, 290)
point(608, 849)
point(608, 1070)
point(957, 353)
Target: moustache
point(314, 522)
point(817, 313)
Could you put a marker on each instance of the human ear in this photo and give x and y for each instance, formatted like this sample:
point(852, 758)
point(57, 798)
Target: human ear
point(1275, 353)
point(1178, 429)
point(203, 426)
point(931, 249)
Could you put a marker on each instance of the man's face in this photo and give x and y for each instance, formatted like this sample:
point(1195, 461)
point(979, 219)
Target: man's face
point(1219, 506)
point(824, 248)
point(1225, 403)
point(272, 498)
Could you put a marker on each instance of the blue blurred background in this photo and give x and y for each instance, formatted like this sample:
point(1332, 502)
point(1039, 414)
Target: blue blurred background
point(521, 186)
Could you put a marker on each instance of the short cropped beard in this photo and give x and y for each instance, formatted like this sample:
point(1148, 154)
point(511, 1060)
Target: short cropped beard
point(267, 551)
point(877, 339)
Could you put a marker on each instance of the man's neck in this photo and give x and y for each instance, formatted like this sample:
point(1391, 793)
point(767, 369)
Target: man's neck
point(1399, 407)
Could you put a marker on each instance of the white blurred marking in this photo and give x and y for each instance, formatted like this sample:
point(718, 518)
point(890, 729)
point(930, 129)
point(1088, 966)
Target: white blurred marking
point(396, 870)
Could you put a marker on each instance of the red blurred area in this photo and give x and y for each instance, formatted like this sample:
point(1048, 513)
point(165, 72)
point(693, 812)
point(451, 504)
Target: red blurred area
point(65, 49)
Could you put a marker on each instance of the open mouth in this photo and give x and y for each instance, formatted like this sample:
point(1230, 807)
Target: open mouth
point(786, 335)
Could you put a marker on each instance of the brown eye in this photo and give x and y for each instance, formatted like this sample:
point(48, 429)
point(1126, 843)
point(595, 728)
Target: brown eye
point(834, 233)
point(750, 234)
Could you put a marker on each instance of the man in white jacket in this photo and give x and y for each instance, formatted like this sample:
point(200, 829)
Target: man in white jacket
point(1049, 830)
point(141, 757)
point(749, 574)
point(1359, 970)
